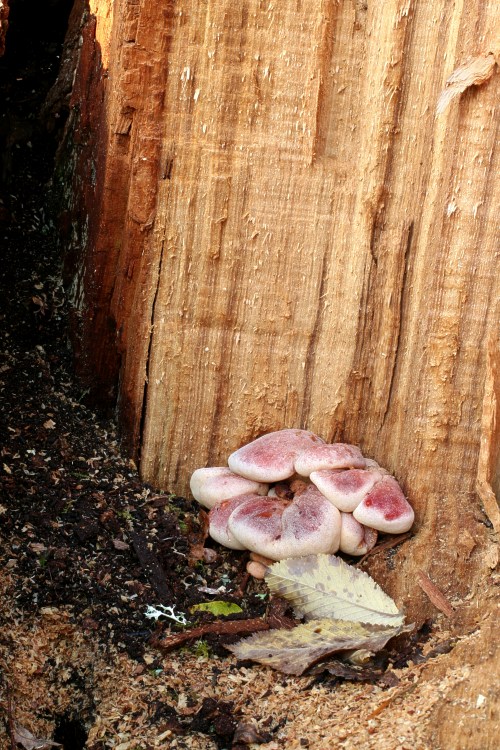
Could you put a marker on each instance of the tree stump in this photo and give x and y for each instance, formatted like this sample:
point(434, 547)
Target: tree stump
point(273, 226)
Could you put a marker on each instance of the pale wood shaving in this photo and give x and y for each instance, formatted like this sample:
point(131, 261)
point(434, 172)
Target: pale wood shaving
point(474, 72)
point(118, 694)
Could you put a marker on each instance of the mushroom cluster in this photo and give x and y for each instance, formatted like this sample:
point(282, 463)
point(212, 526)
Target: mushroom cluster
point(288, 494)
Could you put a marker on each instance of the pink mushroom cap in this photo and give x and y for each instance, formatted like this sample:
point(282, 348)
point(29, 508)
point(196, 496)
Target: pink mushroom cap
point(334, 456)
point(217, 483)
point(345, 489)
point(356, 539)
point(271, 458)
point(385, 508)
point(333, 498)
point(278, 528)
point(218, 520)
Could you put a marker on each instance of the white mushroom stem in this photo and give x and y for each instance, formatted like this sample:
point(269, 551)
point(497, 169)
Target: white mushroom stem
point(356, 539)
point(258, 565)
point(261, 559)
point(256, 569)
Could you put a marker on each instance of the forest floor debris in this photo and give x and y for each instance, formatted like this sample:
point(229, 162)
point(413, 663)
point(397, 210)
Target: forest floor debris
point(86, 548)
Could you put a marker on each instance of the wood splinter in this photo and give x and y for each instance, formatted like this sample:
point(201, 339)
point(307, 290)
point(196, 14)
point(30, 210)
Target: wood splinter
point(388, 544)
point(435, 595)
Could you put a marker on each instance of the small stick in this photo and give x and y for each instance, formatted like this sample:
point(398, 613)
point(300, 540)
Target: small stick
point(380, 707)
point(388, 544)
point(240, 591)
point(230, 627)
point(435, 595)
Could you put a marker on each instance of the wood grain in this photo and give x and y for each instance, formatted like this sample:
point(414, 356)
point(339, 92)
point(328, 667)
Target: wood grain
point(284, 234)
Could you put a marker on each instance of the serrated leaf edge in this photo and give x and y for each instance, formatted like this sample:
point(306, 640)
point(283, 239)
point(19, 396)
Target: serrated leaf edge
point(273, 579)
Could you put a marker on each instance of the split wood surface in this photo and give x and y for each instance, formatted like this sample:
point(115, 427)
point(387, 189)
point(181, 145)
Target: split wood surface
point(283, 232)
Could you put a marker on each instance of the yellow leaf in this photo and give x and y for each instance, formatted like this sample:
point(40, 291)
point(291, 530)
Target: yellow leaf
point(321, 586)
point(217, 608)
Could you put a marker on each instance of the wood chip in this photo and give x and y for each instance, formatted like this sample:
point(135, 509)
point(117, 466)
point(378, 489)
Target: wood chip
point(474, 72)
point(435, 595)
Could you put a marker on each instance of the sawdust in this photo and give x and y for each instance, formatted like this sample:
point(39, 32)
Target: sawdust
point(55, 669)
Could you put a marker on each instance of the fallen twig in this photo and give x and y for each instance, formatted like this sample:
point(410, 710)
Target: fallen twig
point(229, 627)
point(381, 706)
point(388, 544)
point(240, 591)
point(10, 720)
point(435, 595)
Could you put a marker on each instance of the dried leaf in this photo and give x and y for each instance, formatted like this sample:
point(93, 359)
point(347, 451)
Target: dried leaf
point(247, 732)
point(217, 608)
point(345, 671)
point(293, 651)
point(24, 737)
point(474, 72)
point(321, 586)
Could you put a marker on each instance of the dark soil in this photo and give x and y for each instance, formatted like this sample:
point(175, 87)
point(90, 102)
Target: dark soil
point(78, 527)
